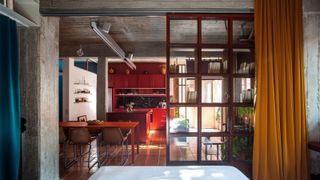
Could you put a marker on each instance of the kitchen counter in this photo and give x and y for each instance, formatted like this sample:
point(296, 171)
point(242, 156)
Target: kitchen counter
point(141, 116)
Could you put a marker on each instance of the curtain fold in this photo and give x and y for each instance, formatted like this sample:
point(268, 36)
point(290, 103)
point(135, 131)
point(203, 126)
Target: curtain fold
point(9, 101)
point(280, 139)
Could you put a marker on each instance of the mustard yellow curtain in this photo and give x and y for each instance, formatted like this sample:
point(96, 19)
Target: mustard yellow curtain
point(280, 139)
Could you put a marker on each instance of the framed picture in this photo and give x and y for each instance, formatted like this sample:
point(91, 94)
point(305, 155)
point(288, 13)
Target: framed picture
point(82, 118)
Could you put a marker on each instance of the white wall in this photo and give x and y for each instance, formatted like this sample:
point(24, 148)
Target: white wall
point(72, 76)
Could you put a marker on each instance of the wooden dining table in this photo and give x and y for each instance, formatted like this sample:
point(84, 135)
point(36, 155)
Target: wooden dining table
point(123, 125)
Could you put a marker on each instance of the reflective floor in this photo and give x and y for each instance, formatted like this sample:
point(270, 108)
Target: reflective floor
point(153, 153)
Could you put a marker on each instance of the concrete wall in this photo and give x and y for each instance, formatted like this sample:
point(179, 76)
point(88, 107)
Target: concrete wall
point(39, 99)
point(311, 20)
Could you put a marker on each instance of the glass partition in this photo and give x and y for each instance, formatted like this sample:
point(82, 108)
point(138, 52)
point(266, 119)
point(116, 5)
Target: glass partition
point(183, 60)
point(214, 60)
point(183, 31)
point(214, 119)
point(214, 31)
point(183, 119)
point(214, 148)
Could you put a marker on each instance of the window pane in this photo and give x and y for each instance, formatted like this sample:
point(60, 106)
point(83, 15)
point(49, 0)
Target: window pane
point(214, 148)
point(243, 32)
point(214, 60)
point(243, 61)
point(183, 60)
point(214, 119)
point(214, 90)
point(243, 90)
point(183, 148)
point(214, 31)
point(242, 148)
point(183, 90)
point(183, 119)
point(183, 31)
point(244, 119)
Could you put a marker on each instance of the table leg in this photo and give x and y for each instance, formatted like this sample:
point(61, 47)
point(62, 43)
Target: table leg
point(132, 144)
point(218, 151)
point(137, 146)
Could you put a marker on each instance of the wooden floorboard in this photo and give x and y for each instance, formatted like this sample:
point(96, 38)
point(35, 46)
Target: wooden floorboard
point(153, 153)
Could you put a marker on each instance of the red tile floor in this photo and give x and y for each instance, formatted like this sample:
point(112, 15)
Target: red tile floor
point(153, 153)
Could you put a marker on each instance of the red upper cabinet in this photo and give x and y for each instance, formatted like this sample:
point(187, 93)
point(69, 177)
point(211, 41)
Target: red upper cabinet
point(132, 81)
point(120, 81)
point(110, 80)
point(144, 81)
point(158, 81)
point(136, 81)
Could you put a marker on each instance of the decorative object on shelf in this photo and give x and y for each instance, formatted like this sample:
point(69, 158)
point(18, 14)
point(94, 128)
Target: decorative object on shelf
point(82, 91)
point(127, 71)
point(81, 82)
point(111, 71)
point(81, 99)
point(130, 107)
point(163, 69)
point(82, 118)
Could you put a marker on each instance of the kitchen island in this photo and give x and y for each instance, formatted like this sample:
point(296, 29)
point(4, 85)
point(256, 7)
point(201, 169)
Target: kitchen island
point(139, 115)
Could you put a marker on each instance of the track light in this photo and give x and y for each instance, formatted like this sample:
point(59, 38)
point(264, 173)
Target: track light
point(80, 52)
point(107, 39)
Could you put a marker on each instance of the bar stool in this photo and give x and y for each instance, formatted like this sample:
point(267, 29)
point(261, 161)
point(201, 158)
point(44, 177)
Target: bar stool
point(112, 136)
point(80, 137)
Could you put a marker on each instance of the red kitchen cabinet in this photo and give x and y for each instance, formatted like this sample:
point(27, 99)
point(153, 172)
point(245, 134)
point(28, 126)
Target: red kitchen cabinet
point(144, 81)
point(132, 81)
point(158, 81)
point(158, 119)
point(110, 80)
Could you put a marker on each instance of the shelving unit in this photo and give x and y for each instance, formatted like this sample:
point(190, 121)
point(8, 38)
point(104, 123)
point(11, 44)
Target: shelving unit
point(221, 109)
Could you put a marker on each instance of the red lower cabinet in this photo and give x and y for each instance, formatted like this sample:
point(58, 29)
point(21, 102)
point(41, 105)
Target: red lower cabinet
point(158, 119)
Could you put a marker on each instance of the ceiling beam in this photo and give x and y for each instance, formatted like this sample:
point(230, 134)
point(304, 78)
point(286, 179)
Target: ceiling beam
point(141, 7)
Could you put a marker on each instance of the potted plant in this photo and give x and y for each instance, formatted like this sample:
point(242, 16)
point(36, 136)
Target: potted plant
point(242, 148)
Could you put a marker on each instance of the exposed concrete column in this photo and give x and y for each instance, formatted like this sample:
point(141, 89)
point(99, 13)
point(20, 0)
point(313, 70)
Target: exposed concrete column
point(311, 28)
point(68, 63)
point(39, 54)
point(102, 88)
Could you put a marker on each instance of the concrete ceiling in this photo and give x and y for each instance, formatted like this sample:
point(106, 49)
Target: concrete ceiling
point(144, 36)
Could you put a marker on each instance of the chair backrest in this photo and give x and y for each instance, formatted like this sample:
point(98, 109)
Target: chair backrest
point(112, 136)
point(82, 118)
point(62, 136)
point(79, 135)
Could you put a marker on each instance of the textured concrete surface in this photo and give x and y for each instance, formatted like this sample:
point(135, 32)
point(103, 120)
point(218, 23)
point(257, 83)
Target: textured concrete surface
point(311, 20)
point(39, 99)
point(102, 88)
point(103, 6)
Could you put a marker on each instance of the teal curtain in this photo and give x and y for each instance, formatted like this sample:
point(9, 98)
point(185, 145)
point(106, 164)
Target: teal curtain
point(10, 133)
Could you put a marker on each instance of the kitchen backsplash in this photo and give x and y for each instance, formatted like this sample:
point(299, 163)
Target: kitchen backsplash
point(140, 101)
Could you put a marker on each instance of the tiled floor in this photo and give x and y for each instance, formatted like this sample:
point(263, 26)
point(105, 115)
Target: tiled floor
point(153, 153)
